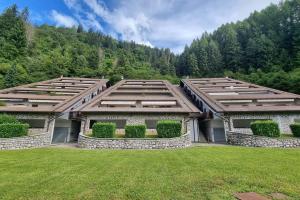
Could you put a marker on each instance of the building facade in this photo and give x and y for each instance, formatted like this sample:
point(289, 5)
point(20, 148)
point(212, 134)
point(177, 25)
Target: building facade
point(47, 106)
point(141, 102)
point(229, 105)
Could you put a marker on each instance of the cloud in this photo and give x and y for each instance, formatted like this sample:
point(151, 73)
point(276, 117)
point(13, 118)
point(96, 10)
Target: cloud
point(133, 28)
point(172, 23)
point(63, 20)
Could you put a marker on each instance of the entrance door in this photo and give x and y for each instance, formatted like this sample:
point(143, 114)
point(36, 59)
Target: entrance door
point(75, 129)
point(60, 135)
point(219, 135)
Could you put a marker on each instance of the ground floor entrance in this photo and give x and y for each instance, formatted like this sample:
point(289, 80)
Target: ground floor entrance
point(66, 131)
point(211, 130)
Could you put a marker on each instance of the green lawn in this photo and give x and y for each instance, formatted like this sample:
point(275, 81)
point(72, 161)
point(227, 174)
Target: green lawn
point(193, 173)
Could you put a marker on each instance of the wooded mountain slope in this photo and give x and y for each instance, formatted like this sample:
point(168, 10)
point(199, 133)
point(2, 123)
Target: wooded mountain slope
point(263, 49)
point(31, 53)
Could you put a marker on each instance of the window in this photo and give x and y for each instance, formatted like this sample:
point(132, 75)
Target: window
point(244, 123)
point(120, 123)
point(150, 123)
point(34, 123)
point(35, 105)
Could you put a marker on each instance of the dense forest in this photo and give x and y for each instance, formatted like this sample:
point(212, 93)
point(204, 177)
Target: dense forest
point(32, 53)
point(263, 49)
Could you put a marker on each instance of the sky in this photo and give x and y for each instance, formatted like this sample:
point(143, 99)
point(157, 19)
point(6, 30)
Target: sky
point(156, 23)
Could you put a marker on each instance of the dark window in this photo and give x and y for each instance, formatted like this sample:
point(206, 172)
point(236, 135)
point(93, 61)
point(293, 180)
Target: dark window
point(120, 123)
point(244, 123)
point(34, 123)
point(35, 105)
point(151, 124)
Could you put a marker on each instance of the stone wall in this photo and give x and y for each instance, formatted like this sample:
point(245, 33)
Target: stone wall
point(25, 142)
point(283, 120)
point(35, 138)
point(260, 141)
point(126, 143)
point(133, 119)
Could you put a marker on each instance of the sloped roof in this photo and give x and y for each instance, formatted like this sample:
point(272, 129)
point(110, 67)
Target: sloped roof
point(229, 95)
point(54, 95)
point(141, 96)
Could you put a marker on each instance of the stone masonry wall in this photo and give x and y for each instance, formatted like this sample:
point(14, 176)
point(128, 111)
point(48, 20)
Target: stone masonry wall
point(260, 141)
point(132, 119)
point(125, 143)
point(25, 142)
point(283, 120)
point(34, 139)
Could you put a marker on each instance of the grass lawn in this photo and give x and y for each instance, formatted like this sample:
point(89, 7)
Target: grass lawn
point(193, 173)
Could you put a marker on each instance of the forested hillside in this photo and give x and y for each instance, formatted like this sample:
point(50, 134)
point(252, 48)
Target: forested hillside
point(263, 49)
point(29, 53)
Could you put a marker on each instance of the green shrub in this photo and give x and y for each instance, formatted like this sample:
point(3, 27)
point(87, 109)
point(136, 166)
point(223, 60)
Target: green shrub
point(135, 131)
point(104, 130)
point(168, 128)
point(267, 128)
point(295, 128)
point(8, 119)
point(13, 130)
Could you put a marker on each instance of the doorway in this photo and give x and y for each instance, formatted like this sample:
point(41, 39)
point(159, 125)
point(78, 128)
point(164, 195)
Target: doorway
point(66, 131)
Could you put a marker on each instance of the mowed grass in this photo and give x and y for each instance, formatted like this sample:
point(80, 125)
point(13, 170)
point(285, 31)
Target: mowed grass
point(192, 173)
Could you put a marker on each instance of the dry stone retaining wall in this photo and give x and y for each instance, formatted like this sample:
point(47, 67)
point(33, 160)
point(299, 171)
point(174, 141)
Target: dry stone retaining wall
point(25, 142)
point(261, 141)
point(126, 143)
point(283, 119)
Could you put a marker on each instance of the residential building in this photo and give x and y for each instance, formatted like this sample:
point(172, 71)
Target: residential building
point(47, 106)
point(229, 105)
point(141, 102)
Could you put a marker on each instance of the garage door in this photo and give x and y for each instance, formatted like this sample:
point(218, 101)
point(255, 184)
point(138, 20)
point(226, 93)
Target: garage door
point(60, 135)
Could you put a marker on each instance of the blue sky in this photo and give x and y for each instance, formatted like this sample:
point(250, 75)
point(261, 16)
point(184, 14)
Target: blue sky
point(160, 23)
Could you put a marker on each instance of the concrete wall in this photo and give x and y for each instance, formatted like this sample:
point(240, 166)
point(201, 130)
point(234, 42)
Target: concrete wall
point(145, 143)
point(283, 120)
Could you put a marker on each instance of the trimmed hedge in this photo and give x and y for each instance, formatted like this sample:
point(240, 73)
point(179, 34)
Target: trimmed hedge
point(8, 119)
point(168, 128)
point(104, 130)
point(267, 128)
point(135, 131)
point(295, 128)
point(13, 130)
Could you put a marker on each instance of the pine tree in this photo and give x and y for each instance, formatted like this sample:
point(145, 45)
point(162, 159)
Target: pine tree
point(214, 58)
point(193, 65)
point(10, 79)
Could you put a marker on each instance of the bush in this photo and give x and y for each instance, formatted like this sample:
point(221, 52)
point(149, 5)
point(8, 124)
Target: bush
point(8, 119)
point(13, 130)
point(295, 128)
point(135, 131)
point(265, 128)
point(104, 130)
point(168, 128)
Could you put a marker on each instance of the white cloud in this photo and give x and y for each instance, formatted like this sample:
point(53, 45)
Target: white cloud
point(162, 23)
point(134, 28)
point(63, 20)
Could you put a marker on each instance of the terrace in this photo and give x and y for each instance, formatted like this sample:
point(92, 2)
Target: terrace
point(56, 95)
point(141, 96)
point(229, 95)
